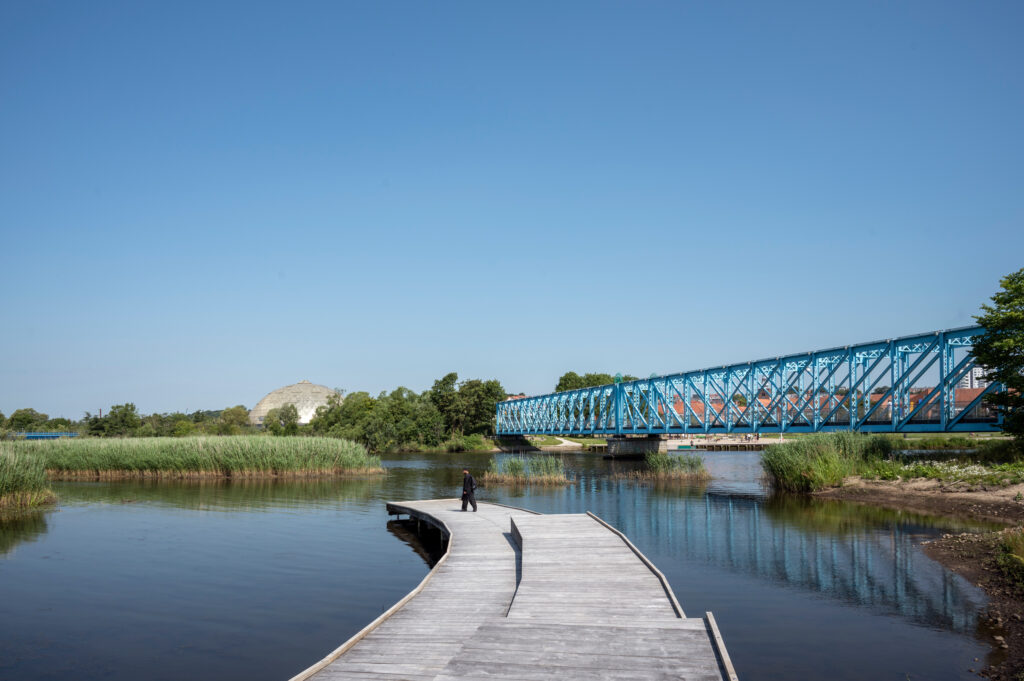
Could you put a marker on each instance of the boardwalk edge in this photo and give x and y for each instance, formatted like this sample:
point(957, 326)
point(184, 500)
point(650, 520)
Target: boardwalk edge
point(723, 654)
point(651, 566)
point(384, 616)
point(344, 647)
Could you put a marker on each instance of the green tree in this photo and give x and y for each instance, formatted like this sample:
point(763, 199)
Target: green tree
point(479, 399)
point(26, 420)
point(183, 428)
point(466, 407)
point(445, 396)
point(573, 381)
point(392, 421)
point(283, 420)
point(122, 419)
point(570, 380)
point(272, 422)
point(290, 419)
point(58, 424)
point(233, 420)
point(1001, 351)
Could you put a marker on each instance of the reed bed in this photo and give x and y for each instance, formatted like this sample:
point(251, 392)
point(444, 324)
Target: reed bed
point(821, 460)
point(662, 466)
point(536, 470)
point(813, 462)
point(240, 456)
point(22, 481)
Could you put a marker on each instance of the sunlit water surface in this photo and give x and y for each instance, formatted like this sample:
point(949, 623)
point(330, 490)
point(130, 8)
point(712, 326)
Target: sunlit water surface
point(257, 580)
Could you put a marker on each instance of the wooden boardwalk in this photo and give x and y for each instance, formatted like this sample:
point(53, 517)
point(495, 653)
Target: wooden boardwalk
point(523, 596)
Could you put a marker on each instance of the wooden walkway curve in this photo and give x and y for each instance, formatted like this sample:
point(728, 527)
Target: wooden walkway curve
point(523, 596)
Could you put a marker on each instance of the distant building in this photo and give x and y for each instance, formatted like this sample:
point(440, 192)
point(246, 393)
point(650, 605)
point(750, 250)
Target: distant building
point(304, 395)
point(520, 396)
point(975, 378)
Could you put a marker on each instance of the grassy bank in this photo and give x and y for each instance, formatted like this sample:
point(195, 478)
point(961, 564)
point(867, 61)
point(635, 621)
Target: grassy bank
point(542, 470)
point(815, 462)
point(22, 481)
point(588, 441)
point(543, 440)
point(197, 457)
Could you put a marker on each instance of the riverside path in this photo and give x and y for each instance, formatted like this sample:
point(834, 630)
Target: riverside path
point(520, 595)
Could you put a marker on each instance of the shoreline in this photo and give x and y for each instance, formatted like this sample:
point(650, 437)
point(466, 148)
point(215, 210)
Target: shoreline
point(27, 501)
point(931, 496)
point(972, 555)
point(87, 475)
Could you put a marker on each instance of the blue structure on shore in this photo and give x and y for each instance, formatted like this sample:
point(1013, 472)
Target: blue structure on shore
point(923, 383)
point(44, 436)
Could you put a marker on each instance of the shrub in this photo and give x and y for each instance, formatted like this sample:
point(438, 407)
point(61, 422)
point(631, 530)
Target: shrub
point(467, 443)
point(1010, 556)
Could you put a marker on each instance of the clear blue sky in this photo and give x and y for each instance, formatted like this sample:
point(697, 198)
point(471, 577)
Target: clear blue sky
point(203, 201)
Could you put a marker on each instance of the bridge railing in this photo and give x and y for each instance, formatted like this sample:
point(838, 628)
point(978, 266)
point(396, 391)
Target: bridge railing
point(922, 383)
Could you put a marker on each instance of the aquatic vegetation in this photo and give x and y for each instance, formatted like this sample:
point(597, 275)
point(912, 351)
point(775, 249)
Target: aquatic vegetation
point(544, 470)
point(663, 466)
point(22, 481)
point(194, 457)
point(814, 462)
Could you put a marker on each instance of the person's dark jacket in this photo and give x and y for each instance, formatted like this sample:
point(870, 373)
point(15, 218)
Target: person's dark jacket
point(468, 484)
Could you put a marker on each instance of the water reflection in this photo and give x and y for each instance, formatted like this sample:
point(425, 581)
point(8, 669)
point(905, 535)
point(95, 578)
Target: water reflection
point(147, 563)
point(865, 556)
point(429, 546)
point(16, 528)
point(856, 554)
point(220, 494)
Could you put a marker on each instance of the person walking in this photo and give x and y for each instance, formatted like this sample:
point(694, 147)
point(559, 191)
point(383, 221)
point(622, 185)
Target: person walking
point(468, 490)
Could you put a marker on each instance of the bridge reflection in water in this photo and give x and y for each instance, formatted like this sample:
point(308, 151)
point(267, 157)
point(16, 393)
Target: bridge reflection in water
point(861, 555)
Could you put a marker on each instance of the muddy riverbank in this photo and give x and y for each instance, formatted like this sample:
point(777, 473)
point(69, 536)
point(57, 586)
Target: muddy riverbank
point(999, 504)
point(975, 557)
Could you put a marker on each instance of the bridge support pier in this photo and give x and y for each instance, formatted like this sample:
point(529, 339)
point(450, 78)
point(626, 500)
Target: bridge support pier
point(636, 447)
point(514, 443)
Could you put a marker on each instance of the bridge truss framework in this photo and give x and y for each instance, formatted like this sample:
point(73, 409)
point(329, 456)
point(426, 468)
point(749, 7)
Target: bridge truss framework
point(910, 384)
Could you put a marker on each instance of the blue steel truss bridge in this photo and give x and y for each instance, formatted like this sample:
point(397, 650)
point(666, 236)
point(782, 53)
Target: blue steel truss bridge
point(924, 383)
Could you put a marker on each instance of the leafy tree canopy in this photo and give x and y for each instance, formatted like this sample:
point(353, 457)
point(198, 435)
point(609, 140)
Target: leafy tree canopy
point(467, 407)
point(235, 416)
point(26, 420)
point(122, 419)
point(1001, 350)
point(283, 420)
point(391, 421)
point(573, 381)
point(232, 420)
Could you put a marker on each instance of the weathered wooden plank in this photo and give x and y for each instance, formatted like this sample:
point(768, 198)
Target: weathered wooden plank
point(581, 603)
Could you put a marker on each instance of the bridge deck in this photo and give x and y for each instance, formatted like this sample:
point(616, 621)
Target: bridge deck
point(577, 601)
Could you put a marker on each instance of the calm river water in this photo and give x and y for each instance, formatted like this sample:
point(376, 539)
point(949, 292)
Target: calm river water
point(258, 580)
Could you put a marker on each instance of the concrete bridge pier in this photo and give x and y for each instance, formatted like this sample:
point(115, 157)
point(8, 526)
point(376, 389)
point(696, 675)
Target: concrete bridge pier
point(636, 447)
